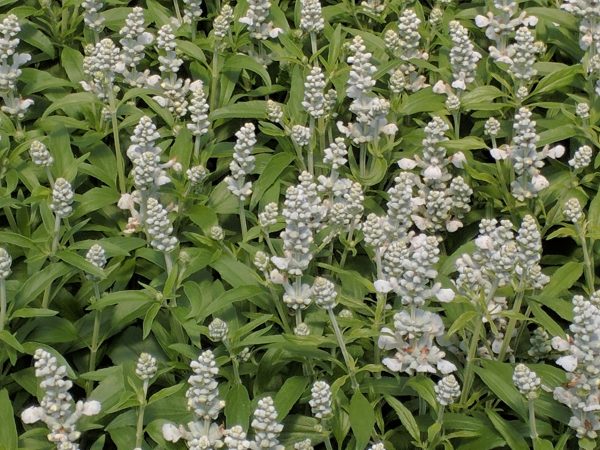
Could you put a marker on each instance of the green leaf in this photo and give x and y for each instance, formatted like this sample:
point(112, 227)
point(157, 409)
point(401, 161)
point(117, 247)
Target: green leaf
point(271, 173)
point(514, 440)
point(39, 80)
point(72, 62)
point(253, 109)
point(239, 62)
point(498, 378)
point(424, 100)
point(362, 419)
point(463, 320)
point(75, 99)
point(406, 417)
point(557, 80)
point(11, 340)
point(36, 284)
point(227, 298)
point(166, 392)
point(237, 406)
point(8, 430)
point(288, 395)
point(79, 262)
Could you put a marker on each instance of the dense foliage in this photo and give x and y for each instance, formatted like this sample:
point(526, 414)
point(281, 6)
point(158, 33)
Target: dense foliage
point(350, 225)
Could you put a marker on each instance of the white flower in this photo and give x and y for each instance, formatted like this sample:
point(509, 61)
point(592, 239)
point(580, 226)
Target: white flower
point(560, 344)
point(569, 362)
point(498, 154)
point(445, 367)
point(170, 432)
point(32, 414)
point(407, 163)
point(91, 408)
point(382, 286)
point(445, 295)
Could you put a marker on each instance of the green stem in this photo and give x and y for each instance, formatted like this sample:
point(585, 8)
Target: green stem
point(363, 160)
point(311, 147)
point(243, 224)
point(282, 315)
point(168, 263)
point(115, 130)
point(50, 177)
point(56, 235)
point(532, 424)
point(587, 259)
point(313, 43)
point(379, 309)
point(196, 148)
point(139, 430)
point(469, 369)
point(177, 12)
point(2, 303)
point(456, 116)
point(214, 82)
point(512, 322)
point(340, 338)
point(94, 344)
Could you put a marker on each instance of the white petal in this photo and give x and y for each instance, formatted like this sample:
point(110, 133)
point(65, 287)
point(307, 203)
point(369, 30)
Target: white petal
point(382, 286)
point(280, 262)
point(407, 163)
point(569, 363)
point(539, 182)
point(171, 432)
point(481, 21)
point(445, 367)
point(498, 154)
point(453, 225)
point(393, 364)
point(32, 414)
point(433, 173)
point(560, 344)
point(445, 295)
point(556, 151)
point(91, 408)
point(440, 88)
point(458, 159)
point(386, 340)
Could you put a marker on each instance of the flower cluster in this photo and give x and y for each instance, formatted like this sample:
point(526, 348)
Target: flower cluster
point(57, 409)
point(242, 164)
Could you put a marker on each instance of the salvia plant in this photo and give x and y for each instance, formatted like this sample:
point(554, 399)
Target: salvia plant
point(263, 225)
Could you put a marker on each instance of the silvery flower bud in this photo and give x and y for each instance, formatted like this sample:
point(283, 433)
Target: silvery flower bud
point(203, 394)
point(217, 330)
point(274, 111)
point(492, 127)
point(62, 198)
point(582, 110)
point(345, 314)
point(301, 135)
point(5, 263)
point(261, 261)
point(378, 446)
point(216, 233)
point(324, 292)
point(320, 399)
point(198, 110)
point(314, 100)
point(159, 227)
point(463, 57)
point(146, 366)
point(40, 154)
point(447, 390)
point(192, 11)
point(269, 215)
point(96, 256)
point(306, 444)
point(235, 439)
point(196, 174)
point(302, 329)
point(453, 103)
point(265, 425)
point(222, 22)
point(311, 17)
point(582, 158)
point(92, 17)
point(526, 381)
point(335, 154)
point(572, 210)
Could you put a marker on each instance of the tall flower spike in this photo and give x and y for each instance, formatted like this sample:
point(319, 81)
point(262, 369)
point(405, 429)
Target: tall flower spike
point(134, 39)
point(165, 41)
point(222, 23)
point(582, 158)
point(5, 263)
point(408, 36)
point(192, 10)
point(10, 63)
point(96, 256)
point(266, 427)
point(572, 210)
point(159, 227)
point(242, 163)
point(463, 57)
point(198, 110)
point(235, 439)
point(91, 16)
point(57, 409)
point(256, 18)
point(314, 100)
point(203, 394)
point(101, 65)
point(62, 198)
point(311, 17)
